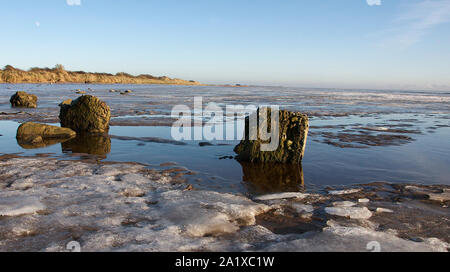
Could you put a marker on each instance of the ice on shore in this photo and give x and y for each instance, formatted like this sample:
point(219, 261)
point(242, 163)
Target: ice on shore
point(344, 204)
point(345, 192)
point(20, 205)
point(354, 239)
point(281, 196)
point(46, 204)
point(351, 212)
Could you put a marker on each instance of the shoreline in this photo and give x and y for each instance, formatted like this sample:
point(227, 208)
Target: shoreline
point(55, 202)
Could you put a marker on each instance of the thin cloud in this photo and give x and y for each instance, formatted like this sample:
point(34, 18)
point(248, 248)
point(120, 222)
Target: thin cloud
point(416, 21)
point(37, 23)
point(73, 2)
point(374, 2)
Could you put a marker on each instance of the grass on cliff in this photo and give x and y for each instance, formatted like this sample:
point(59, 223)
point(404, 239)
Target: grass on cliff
point(59, 75)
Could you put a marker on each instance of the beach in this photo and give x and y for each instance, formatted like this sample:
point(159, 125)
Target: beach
point(375, 170)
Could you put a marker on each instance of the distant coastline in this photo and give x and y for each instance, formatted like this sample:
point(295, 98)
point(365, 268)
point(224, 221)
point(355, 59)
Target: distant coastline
point(58, 74)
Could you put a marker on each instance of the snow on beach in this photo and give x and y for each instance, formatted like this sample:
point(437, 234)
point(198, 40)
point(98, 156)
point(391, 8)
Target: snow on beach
point(47, 203)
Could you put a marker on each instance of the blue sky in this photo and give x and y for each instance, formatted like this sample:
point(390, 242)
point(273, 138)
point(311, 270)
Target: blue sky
point(401, 44)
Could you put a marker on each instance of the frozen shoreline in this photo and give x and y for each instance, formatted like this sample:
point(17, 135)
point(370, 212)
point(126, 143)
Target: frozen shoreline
point(47, 203)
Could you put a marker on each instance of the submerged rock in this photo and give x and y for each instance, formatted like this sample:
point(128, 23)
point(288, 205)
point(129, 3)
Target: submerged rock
point(85, 114)
point(34, 135)
point(24, 100)
point(293, 133)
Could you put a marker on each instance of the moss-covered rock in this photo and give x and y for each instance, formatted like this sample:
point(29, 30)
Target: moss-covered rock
point(33, 135)
point(87, 114)
point(23, 100)
point(293, 133)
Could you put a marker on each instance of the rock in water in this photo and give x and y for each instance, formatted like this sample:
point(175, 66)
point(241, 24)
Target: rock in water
point(293, 133)
point(86, 114)
point(45, 131)
point(24, 100)
point(33, 135)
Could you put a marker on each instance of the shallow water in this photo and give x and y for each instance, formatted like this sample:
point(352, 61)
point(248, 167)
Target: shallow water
point(342, 149)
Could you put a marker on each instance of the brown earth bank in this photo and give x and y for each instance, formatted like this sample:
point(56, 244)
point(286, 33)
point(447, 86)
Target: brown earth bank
point(59, 75)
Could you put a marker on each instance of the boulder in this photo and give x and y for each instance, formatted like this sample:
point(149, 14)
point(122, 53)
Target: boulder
point(45, 131)
point(34, 135)
point(293, 133)
point(24, 100)
point(86, 114)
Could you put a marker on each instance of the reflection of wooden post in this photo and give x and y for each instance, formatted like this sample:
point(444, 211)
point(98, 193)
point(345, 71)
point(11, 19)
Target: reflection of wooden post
point(273, 177)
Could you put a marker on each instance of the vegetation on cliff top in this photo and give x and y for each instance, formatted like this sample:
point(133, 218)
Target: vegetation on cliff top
point(59, 75)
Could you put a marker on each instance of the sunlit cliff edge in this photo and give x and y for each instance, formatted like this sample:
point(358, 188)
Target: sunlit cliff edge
point(59, 75)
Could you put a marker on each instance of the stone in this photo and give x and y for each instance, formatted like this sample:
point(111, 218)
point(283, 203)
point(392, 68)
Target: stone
point(443, 197)
point(293, 133)
point(81, 92)
point(24, 100)
point(86, 114)
point(33, 135)
point(37, 132)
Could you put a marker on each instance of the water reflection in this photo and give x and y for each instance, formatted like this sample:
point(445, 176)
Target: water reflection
point(25, 144)
point(92, 144)
point(272, 177)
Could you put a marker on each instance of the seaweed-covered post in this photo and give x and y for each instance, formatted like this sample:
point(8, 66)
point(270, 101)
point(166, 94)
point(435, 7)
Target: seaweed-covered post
point(292, 128)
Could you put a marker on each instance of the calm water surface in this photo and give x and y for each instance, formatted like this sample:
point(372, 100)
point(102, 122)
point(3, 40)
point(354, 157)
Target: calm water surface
point(421, 116)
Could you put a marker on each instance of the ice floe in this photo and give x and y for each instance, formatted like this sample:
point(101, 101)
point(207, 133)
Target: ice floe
point(345, 192)
point(351, 212)
point(281, 196)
